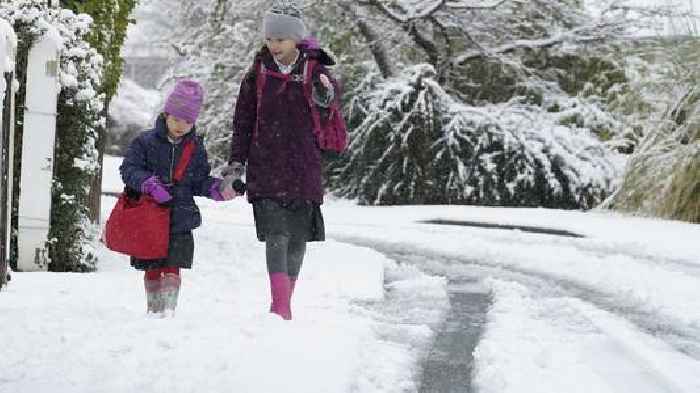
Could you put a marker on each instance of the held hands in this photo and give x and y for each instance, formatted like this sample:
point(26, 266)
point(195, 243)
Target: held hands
point(233, 179)
point(232, 187)
point(156, 189)
point(228, 193)
point(220, 192)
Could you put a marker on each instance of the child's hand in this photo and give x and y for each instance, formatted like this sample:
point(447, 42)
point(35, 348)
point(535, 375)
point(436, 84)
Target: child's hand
point(325, 81)
point(231, 187)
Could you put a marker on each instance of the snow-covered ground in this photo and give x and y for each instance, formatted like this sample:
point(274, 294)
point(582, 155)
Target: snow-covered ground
point(615, 311)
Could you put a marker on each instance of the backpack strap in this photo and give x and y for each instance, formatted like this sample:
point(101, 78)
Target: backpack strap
point(260, 78)
point(309, 66)
point(187, 151)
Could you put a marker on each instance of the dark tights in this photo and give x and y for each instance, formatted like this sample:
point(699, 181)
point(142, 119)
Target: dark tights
point(284, 254)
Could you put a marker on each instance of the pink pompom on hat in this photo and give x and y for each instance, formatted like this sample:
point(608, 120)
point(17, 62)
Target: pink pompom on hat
point(185, 101)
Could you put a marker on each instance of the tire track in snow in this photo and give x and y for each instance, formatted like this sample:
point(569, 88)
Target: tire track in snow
point(594, 247)
point(449, 364)
point(554, 343)
point(682, 337)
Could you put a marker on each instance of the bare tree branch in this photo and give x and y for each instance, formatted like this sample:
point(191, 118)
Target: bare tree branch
point(376, 44)
point(404, 18)
point(463, 5)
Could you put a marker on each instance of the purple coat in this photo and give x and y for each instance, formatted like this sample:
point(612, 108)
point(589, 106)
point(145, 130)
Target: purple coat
point(283, 157)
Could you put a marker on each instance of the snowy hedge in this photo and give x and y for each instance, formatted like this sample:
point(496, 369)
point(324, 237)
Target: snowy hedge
point(663, 177)
point(79, 115)
point(414, 143)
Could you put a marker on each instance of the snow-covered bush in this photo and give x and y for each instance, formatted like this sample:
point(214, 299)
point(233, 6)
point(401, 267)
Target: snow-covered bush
point(414, 143)
point(663, 177)
point(79, 115)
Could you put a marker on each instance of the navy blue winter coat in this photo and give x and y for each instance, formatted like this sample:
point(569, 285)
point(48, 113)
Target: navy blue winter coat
point(151, 153)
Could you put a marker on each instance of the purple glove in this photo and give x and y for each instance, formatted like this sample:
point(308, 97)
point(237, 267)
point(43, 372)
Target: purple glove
point(156, 189)
point(219, 193)
point(214, 192)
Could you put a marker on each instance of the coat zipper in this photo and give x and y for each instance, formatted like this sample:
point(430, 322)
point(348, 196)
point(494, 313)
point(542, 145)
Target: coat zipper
point(172, 162)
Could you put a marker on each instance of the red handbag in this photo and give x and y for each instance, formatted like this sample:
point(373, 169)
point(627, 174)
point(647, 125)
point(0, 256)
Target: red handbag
point(140, 227)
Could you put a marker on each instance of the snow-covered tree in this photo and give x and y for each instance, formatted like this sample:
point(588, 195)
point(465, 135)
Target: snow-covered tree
point(435, 149)
point(480, 101)
point(532, 81)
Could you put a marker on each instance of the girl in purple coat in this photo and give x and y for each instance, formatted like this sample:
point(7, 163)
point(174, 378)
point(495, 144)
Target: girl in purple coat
point(148, 168)
point(274, 145)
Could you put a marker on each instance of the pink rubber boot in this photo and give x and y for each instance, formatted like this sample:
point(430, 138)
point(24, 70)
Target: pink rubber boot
point(154, 304)
point(280, 289)
point(170, 291)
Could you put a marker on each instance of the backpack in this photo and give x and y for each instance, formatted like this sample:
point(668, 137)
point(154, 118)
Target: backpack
point(329, 128)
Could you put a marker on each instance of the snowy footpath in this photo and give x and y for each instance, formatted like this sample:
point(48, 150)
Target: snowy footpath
point(616, 310)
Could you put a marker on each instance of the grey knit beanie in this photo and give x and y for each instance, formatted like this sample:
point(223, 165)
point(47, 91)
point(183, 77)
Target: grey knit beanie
point(284, 20)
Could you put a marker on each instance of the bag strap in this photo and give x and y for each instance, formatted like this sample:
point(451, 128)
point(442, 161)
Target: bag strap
point(187, 150)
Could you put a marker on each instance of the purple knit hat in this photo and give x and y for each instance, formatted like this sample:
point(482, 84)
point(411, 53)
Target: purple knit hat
point(185, 101)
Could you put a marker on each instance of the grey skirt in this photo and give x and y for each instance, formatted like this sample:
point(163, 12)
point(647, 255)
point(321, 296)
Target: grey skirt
point(180, 254)
point(297, 219)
